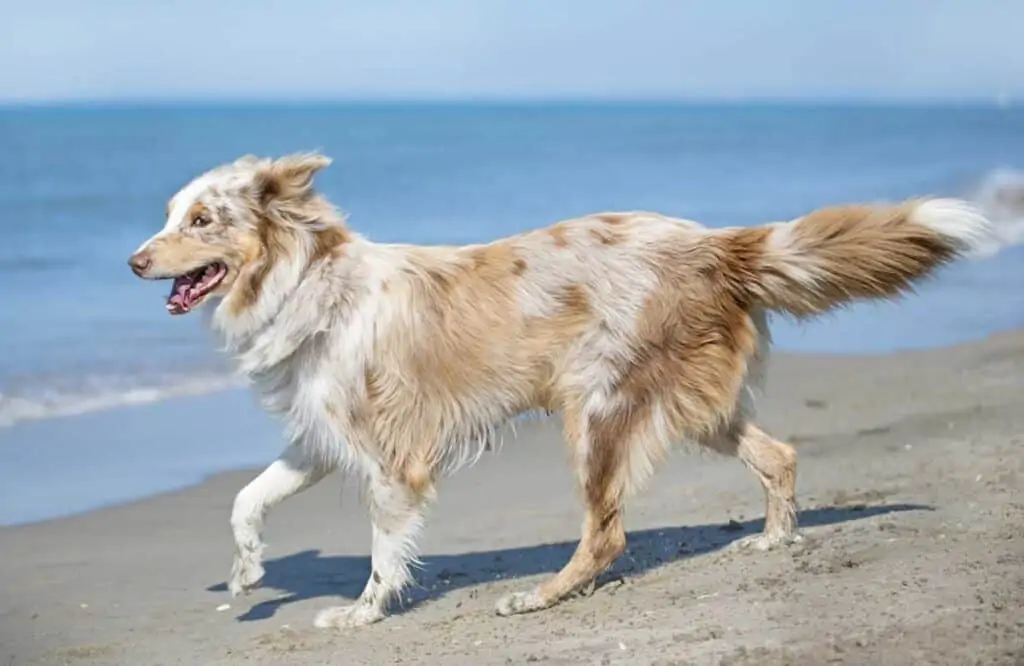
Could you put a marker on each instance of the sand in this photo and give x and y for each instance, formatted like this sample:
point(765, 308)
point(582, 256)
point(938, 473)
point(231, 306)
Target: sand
point(911, 488)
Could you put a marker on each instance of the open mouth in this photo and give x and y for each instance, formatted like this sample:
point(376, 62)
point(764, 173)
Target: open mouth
point(190, 289)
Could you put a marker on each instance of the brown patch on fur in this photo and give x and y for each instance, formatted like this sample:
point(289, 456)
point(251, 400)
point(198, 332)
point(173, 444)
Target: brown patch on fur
point(736, 258)
point(548, 338)
point(417, 475)
point(411, 468)
point(694, 338)
point(604, 486)
point(614, 219)
point(557, 233)
point(273, 242)
point(326, 243)
point(372, 385)
point(359, 411)
point(289, 178)
point(605, 236)
point(494, 258)
point(479, 257)
point(574, 299)
point(443, 282)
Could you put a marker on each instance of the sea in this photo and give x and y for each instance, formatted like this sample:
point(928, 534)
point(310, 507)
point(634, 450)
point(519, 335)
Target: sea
point(82, 186)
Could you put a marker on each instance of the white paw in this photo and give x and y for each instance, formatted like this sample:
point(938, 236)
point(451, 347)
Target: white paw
point(345, 617)
point(764, 542)
point(519, 602)
point(246, 574)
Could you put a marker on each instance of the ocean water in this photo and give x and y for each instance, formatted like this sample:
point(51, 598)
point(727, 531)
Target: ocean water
point(80, 188)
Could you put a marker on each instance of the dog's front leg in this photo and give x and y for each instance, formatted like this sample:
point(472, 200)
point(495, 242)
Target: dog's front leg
point(291, 473)
point(396, 511)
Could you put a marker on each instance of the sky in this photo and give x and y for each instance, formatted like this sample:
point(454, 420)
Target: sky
point(61, 50)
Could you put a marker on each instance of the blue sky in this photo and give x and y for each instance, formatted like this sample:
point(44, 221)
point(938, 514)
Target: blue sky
point(142, 49)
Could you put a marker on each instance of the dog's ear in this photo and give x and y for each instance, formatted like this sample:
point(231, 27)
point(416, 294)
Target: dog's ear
point(290, 177)
point(248, 160)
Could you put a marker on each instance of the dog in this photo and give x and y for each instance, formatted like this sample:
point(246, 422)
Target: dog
point(399, 362)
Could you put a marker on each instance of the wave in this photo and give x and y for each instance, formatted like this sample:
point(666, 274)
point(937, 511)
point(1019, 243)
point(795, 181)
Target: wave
point(1000, 196)
point(103, 393)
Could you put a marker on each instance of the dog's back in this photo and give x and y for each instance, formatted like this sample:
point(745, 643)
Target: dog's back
point(589, 312)
point(656, 321)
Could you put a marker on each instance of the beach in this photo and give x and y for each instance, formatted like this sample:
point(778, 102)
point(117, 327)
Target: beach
point(124, 435)
point(909, 487)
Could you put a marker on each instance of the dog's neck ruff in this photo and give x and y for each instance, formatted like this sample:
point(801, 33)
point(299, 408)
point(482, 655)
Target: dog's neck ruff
point(297, 300)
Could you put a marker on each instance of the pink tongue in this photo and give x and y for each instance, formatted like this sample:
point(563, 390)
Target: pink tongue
point(180, 295)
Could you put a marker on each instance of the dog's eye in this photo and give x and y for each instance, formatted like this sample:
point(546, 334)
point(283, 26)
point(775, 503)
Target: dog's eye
point(200, 221)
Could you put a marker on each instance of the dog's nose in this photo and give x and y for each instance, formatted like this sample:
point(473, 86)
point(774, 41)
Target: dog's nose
point(139, 262)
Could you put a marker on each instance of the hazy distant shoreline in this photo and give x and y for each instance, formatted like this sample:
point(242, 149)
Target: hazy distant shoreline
point(277, 103)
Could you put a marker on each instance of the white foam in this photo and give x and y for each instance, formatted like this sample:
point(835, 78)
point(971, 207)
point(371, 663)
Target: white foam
point(40, 405)
point(1000, 197)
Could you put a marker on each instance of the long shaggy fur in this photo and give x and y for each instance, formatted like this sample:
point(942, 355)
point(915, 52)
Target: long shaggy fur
point(400, 361)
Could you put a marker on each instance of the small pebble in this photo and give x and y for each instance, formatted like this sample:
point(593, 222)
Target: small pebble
point(223, 607)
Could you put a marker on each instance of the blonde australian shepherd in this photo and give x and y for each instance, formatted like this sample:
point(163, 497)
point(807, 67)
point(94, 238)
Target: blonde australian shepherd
point(399, 362)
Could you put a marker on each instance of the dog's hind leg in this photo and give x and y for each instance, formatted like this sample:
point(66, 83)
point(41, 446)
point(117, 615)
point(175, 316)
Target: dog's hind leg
point(614, 451)
point(774, 463)
point(396, 512)
point(291, 473)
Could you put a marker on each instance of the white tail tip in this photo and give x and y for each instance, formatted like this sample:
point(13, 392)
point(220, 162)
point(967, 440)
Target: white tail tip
point(956, 220)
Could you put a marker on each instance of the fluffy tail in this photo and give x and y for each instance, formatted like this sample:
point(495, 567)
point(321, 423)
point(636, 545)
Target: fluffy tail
point(839, 254)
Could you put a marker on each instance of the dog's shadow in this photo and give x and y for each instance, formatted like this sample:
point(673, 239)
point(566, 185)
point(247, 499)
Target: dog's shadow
point(308, 575)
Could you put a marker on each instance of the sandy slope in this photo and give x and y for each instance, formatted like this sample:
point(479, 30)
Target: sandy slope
point(912, 495)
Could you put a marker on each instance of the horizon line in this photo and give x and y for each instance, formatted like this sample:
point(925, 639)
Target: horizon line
point(992, 101)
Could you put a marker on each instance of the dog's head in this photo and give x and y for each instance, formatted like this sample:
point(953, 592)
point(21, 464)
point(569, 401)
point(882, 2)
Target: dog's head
point(227, 227)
